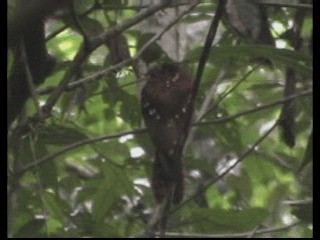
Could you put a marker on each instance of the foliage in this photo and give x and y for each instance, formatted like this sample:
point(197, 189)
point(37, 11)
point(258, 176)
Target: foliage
point(95, 157)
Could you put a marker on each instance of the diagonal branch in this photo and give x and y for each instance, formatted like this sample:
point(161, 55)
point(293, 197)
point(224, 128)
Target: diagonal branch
point(202, 62)
point(127, 61)
point(242, 156)
point(75, 145)
point(143, 130)
point(256, 109)
point(232, 235)
point(85, 51)
point(93, 43)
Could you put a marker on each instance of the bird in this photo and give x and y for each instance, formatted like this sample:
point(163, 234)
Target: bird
point(165, 101)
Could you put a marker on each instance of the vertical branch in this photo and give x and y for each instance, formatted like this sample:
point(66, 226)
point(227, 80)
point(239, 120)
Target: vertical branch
point(202, 62)
point(29, 78)
point(287, 116)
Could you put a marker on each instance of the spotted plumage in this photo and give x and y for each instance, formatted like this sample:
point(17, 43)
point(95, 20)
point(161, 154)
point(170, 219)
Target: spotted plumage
point(164, 100)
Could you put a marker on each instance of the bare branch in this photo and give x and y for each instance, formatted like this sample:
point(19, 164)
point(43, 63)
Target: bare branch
point(29, 78)
point(124, 63)
point(85, 50)
point(289, 5)
point(242, 156)
point(96, 41)
point(144, 130)
point(256, 109)
point(232, 235)
point(229, 91)
point(75, 145)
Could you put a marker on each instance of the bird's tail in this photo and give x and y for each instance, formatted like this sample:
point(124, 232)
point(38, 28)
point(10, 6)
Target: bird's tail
point(167, 179)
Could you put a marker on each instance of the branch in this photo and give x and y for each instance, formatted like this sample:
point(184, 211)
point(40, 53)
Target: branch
point(206, 49)
point(75, 66)
point(29, 78)
point(75, 145)
point(224, 95)
point(144, 130)
point(205, 105)
point(136, 7)
point(55, 33)
point(210, 94)
point(100, 39)
point(179, 147)
point(93, 43)
point(242, 156)
point(86, 49)
point(256, 109)
point(124, 63)
point(289, 5)
point(231, 235)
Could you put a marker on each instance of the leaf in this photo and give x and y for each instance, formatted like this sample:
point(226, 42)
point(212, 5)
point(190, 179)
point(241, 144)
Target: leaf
point(48, 175)
point(299, 61)
point(114, 185)
point(91, 26)
point(31, 229)
point(9, 61)
point(241, 184)
point(221, 220)
point(303, 210)
point(244, 16)
point(54, 207)
point(60, 135)
point(308, 154)
point(104, 198)
point(277, 194)
point(229, 136)
point(130, 110)
point(115, 151)
point(65, 45)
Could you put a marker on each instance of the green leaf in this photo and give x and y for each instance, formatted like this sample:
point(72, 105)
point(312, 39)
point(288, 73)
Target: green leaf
point(31, 229)
point(65, 45)
point(112, 187)
point(115, 151)
point(297, 60)
point(106, 195)
point(303, 211)
point(130, 110)
point(54, 207)
point(60, 135)
point(241, 184)
point(221, 220)
point(48, 174)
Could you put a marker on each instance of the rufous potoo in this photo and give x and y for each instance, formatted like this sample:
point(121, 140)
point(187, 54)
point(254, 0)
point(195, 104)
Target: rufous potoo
point(164, 100)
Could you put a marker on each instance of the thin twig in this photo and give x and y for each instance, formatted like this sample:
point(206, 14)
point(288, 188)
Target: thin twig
point(178, 150)
point(240, 158)
point(205, 105)
point(209, 95)
point(58, 31)
point(96, 41)
point(136, 7)
point(87, 48)
point(75, 145)
point(144, 130)
point(179, 147)
point(207, 49)
point(127, 61)
point(253, 232)
point(289, 5)
point(75, 66)
point(232, 235)
point(29, 78)
point(224, 95)
point(256, 109)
